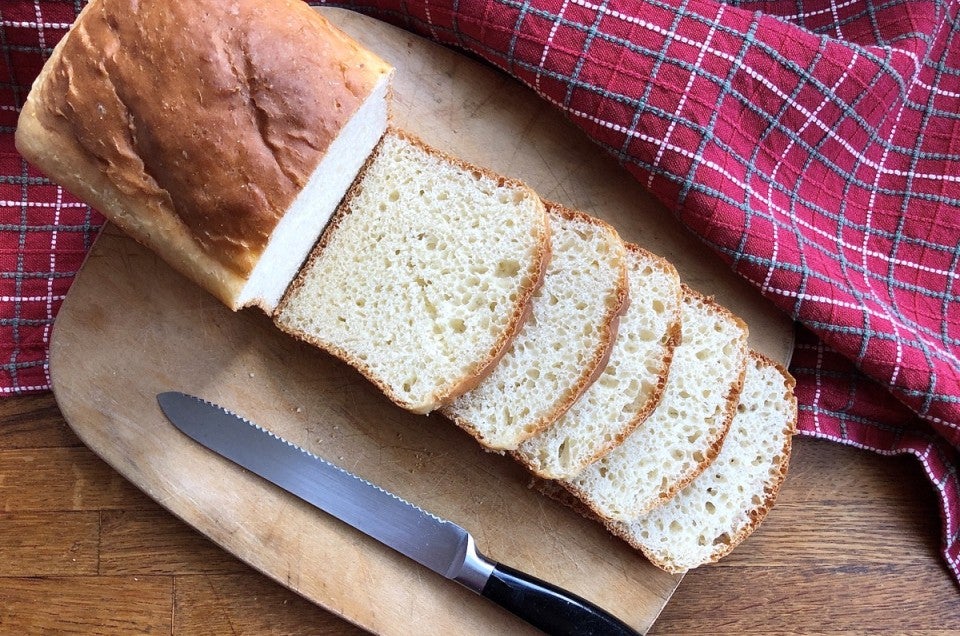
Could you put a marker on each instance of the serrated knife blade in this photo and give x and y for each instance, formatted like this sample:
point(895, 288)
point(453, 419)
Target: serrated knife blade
point(436, 543)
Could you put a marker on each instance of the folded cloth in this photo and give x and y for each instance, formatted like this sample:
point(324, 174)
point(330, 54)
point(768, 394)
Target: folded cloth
point(815, 145)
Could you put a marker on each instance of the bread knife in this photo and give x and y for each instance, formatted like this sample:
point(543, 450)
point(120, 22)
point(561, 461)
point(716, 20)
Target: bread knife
point(436, 543)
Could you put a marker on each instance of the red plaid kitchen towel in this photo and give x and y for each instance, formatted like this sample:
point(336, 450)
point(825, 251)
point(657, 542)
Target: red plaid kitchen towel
point(44, 232)
point(815, 145)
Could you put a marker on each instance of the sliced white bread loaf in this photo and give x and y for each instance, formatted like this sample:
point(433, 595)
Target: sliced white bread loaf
point(631, 384)
point(424, 275)
point(565, 341)
point(684, 433)
point(725, 504)
point(220, 135)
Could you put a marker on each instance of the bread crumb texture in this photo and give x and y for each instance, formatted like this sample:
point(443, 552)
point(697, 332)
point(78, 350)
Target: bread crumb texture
point(562, 343)
point(681, 436)
point(423, 274)
point(722, 506)
point(629, 385)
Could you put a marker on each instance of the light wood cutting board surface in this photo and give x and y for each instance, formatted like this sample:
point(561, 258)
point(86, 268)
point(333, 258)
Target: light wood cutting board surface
point(131, 328)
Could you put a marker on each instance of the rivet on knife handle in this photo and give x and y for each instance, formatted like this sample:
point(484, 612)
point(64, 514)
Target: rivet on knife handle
point(436, 543)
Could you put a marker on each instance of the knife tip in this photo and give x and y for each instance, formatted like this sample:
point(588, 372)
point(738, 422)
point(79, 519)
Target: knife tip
point(166, 398)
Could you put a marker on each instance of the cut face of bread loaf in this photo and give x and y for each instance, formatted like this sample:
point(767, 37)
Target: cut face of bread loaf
point(683, 434)
point(564, 342)
point(424, 275)
point(630, 385)
point(722, 507)
point(222, 135)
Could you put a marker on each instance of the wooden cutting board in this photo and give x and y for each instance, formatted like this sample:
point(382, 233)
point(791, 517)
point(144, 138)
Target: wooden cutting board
point(130, 328)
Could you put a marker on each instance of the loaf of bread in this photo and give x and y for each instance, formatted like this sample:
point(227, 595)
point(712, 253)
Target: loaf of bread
point(565, 341)
point(424, 275)
point(684, 433)
point(725, 504)
point(631, 384)
point(222, 135)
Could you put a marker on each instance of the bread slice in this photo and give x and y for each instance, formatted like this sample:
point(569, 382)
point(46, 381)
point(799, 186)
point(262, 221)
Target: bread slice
point(424, 275)
point(564, 343)
point(684, 433)
point(630, 385)
point(725, 504)
point(221, 135)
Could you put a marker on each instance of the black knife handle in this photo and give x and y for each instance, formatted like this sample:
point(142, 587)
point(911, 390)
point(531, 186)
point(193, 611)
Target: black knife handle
point(547, 607)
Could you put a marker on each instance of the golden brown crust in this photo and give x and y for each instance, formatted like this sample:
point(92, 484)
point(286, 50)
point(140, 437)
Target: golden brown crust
point(671, 340)
point(483, 366)
point(193, 125)
point(729, 406)
point(609, 324)
point(772, 489)
point(592, 369)
point(758, 513)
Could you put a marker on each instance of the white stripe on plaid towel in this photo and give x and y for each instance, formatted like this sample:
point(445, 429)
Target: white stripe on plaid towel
point(835, 13)
point(40, 25)
point(51, 314)
point(760, 77)
point(31, 299)
point(549, 42)
point(810, 14)
point(816, 298)
point(16, 390)
point(17, 24)
point(686, 91)
point(40, 204)
point(895, 372)
point(772, 205)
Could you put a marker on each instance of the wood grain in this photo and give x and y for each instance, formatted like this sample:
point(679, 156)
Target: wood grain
point(219, 604)
point(858, 599)
point(796, 575)
point(46, 543)
point(154, 574)
point(147, 542)
point(24, 471)
point(26, 423)
point(131, 328)
point(93, 604)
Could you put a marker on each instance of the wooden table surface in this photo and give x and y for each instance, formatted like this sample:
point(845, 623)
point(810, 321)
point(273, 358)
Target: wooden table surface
point(852, 546)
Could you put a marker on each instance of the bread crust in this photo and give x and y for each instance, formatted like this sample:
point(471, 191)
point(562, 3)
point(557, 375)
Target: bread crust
point(756, 515)
point(729, 406)
point(714, 444)
point(672, 339)
point(608, 325)
point(483, 366)
point(193, 125)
